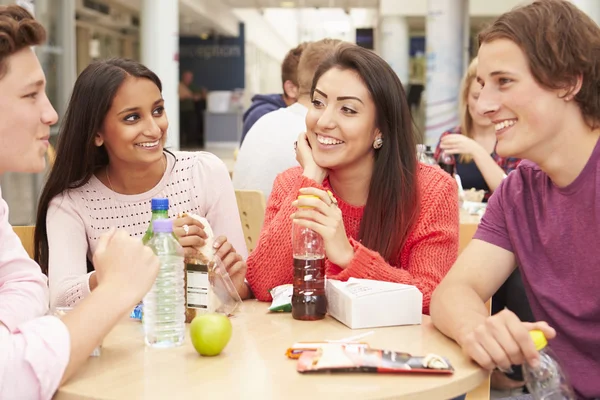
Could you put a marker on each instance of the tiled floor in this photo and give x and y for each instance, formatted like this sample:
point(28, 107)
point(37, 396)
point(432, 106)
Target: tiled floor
point(21, 191)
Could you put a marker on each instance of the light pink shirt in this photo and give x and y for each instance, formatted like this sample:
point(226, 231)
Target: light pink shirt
point(194, 182)
point(34, 350)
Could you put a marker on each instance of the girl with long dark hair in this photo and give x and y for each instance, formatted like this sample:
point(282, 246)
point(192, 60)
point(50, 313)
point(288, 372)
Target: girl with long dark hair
point(110, 163)
point(388, 217)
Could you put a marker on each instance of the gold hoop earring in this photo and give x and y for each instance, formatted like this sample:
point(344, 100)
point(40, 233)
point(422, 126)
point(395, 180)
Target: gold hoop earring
point(378, 143)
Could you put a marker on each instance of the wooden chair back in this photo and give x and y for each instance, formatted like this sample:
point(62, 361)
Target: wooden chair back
point(26, 234)
point(251, 205)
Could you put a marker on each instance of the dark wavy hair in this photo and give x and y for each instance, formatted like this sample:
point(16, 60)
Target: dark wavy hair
point(393, 201)
point(18, 30)
point(77, 157)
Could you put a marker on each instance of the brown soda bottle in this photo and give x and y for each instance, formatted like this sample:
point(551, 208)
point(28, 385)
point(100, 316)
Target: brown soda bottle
point(447, 162)
point(308, 299)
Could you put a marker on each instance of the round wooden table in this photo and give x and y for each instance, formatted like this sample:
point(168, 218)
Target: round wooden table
point(253, 364)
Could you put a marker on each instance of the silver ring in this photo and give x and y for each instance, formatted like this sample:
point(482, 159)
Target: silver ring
point(186, 229)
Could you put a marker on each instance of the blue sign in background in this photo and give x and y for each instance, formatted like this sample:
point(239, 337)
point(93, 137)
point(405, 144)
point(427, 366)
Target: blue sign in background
point(218, 63)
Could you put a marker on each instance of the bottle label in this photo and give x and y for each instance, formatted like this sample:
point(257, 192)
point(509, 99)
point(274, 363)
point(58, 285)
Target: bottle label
point(197, 286)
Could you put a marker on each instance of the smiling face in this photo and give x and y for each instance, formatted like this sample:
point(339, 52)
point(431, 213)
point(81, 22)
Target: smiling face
point(526, 115)
point(134, 129)
point(472, 97)
point(25, 114)
point(341, 121)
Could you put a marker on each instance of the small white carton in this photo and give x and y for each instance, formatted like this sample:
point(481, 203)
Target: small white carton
point(364, 303)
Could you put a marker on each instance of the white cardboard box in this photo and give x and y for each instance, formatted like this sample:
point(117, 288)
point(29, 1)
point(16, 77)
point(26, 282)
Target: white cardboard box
point(364, 303)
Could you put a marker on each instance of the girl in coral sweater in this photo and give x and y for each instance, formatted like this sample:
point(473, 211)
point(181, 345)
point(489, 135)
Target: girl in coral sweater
point(387, 217)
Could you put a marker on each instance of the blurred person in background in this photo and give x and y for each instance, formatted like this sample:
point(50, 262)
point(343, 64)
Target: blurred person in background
point(539, 68)
point(39, 352)
point(189, 120)
point(265, 103)
point(388, 217)
point(474, 142)
point(268, 147)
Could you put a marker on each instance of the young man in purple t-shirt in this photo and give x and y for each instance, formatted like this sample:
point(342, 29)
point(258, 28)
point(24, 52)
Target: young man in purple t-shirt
point(539, 67)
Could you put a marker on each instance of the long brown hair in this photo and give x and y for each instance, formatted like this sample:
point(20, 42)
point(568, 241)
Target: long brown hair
point(561, 44)
point(393, 200)
point(77, 157)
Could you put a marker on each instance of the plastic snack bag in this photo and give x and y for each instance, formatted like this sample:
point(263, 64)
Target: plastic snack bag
point(208, 285)
point(282, 298)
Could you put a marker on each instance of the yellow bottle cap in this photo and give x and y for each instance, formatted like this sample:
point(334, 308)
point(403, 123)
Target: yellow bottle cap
point(539, 339)
point(307, 196)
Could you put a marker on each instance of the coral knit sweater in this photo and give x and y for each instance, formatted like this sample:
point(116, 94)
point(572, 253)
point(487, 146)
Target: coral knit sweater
point(428, 253)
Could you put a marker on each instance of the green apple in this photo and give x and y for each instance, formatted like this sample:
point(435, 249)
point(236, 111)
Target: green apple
point(210, 333)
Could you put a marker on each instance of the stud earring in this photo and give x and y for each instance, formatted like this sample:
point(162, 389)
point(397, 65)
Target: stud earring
point(377, 143)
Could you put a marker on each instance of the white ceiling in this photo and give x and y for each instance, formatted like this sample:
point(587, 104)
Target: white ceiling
point(303, 3)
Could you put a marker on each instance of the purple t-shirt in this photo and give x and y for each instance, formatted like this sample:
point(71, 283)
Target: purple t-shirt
point(555, 235)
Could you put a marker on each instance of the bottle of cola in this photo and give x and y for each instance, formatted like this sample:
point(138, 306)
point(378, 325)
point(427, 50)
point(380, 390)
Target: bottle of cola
point(447, 162)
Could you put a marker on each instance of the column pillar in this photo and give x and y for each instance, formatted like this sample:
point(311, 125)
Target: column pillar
point(393, 44)
point(590, 7)
point(67, 64)
point(446, 54)
point(160, 53)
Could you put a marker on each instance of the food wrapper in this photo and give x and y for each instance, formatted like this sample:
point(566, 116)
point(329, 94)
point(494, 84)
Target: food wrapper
point(472, 195)
point(208, 285)
point(336, 357)
point(137, 312)
point(297, 349)
point(282, 298)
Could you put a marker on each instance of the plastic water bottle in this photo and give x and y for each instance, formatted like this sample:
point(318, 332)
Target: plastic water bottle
point(421, 153)
point(548, 381)
point(164, 305)
point(160, 210)
point(425, 155)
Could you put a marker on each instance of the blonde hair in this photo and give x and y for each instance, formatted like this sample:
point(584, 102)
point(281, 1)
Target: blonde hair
point(312, 56)
point(466, 121)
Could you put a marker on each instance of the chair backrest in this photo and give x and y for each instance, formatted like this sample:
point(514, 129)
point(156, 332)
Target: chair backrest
point(26, 233)
point(251, 204)
point(466, 233)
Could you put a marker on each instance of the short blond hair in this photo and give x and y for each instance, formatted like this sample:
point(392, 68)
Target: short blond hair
point(312, 56)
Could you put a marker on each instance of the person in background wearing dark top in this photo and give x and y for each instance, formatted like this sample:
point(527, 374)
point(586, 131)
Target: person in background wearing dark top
point(187, 110)
point(474, 142)
point(265, 103)
point(480, 167)
point(200, 108)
